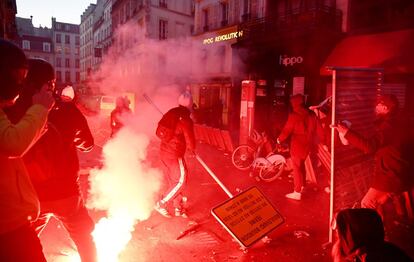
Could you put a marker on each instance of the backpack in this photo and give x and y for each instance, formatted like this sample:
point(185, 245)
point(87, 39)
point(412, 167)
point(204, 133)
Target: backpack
point(166, 126)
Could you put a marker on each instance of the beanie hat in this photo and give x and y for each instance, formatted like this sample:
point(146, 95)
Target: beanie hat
point(40, 72)
point(185, 99)
point(389, 101)
point(12, 57)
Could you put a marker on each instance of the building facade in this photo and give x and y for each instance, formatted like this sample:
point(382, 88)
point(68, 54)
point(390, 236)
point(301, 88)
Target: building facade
point(8, 10)
point(156, 20)
point(87, 42)
point(36, 42)
point(216, 88)
point(102, 31)
point(66, 43)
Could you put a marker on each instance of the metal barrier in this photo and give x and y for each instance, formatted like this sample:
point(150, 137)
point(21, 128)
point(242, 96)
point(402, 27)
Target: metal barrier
point(218, 138)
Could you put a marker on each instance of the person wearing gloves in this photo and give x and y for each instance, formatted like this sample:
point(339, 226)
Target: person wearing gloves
point(392, 149)
point(172, 151)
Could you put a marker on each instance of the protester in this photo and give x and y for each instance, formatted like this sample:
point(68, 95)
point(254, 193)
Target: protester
point(172, 150)
point(19, 205)
point(301, 128)
point(360, 238)
point(122, 108)
point(53, 163)
point(392, 148)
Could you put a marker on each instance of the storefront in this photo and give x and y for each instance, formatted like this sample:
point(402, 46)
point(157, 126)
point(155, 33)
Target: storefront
point(391, 51)
point(288, 64)
point(212, 85)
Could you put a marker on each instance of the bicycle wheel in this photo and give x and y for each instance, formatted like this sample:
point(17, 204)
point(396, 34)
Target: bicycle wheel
point(275, 168)
point(243, 157)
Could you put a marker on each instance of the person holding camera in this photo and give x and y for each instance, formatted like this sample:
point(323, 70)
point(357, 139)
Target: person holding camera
point(392, 149)
point(53, 162)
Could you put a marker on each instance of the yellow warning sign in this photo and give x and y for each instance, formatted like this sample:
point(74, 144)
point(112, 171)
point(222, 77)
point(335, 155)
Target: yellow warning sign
point(248, 217)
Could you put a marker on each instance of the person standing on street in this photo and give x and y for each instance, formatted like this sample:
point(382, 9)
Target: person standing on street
point(177, 134)
point(122, 107)
point(53, 163)
point(301, 128)
point(19, 204)
point(392, 149)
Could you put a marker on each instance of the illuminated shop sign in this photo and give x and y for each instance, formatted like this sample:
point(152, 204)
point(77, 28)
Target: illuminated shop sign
point(290, 61)
point(223, 37)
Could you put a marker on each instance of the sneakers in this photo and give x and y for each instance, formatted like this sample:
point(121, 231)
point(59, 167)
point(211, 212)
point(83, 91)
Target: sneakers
point(180, 213)
point(294, 195)
point(161, 210)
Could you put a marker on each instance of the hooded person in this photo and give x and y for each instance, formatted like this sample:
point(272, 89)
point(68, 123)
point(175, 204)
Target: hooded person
point(360, 237)
point(392, 147)
point(300, 128)
point(53, 164)
point(178, 129)
point(120, 110)
point(19, 204)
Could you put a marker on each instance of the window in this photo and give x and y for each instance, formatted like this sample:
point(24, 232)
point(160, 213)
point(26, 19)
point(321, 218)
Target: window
point(246, 10)
point(77, 76)
point(76, 50)
point(58, 26)
point(67, 39)
point(77, 40)
point(67, 50)
point(58, 38)
point(26, 44)
point(163, 29)
point(77, 63)
point(58, 76)
point(224, 13)
point(163, 3)
point(67, 62)
point(46, 47)
point(58, 49)
point(58, 61)
point(67, 27)
point(67, 76)
point(205, 20)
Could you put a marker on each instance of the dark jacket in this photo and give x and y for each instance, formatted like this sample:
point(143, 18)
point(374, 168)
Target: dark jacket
point(116, 123)
point(183, 134)
point(392, 149)
point(301, 127)
point(52, 163)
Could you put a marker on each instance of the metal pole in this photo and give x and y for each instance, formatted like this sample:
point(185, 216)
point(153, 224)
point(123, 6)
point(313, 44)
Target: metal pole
point(197, 156)
point(213, 176)
point(152, 103)
point(333, 122)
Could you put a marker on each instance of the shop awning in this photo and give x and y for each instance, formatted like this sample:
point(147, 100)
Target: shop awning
point(393, 51)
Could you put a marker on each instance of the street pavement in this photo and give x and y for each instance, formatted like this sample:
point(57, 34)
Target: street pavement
point(302, 237)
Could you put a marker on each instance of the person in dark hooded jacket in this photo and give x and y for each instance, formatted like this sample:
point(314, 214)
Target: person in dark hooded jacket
point(172, 156)
point(360, 238)
point(301, 128)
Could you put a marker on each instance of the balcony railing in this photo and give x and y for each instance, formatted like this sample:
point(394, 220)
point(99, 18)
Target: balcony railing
point(294, 21)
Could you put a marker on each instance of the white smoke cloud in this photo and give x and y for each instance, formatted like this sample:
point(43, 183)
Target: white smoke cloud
point(127, 186)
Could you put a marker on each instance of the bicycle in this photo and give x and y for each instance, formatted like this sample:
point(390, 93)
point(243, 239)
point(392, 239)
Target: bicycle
point(268, 168)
